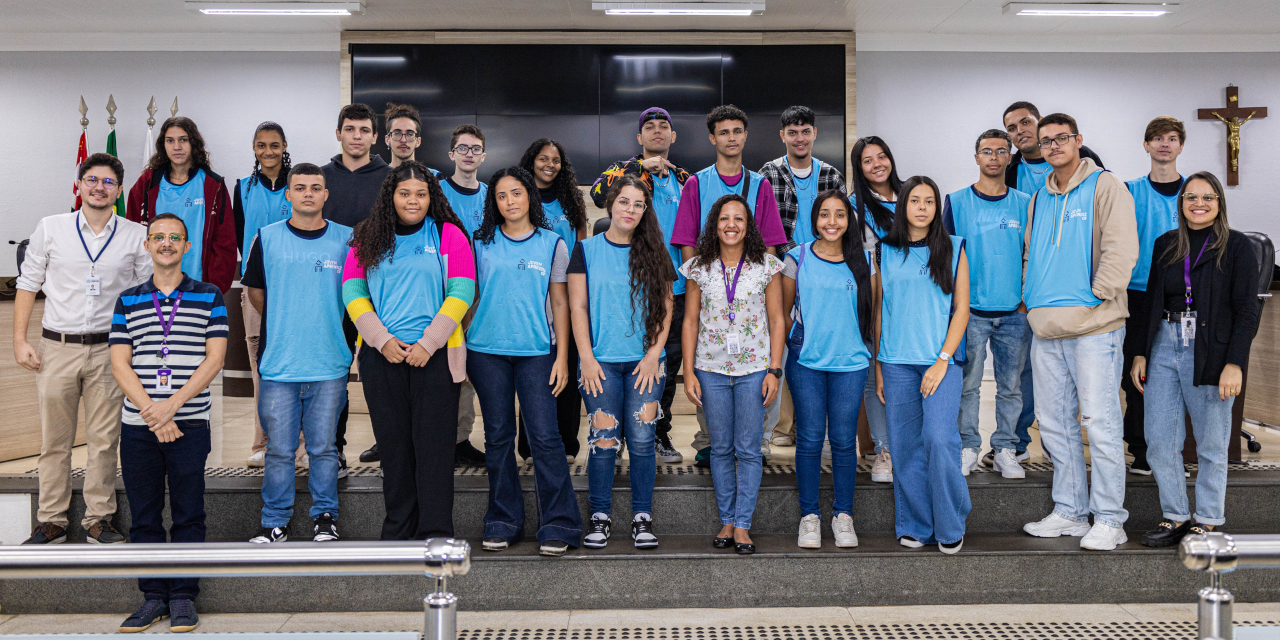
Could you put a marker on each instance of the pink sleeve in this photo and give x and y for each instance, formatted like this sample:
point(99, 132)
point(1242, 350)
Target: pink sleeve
point(462, 263)
point(768, 218)
point(688, 215)
point(351, 269)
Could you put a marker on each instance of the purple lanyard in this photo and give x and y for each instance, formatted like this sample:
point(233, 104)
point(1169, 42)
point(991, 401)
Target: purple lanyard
point(731, 289)
point(1186, 269)
point(166, 326)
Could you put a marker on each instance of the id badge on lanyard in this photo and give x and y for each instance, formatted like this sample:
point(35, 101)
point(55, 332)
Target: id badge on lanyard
point(164, 375)
point(1188, 324)
point(733, 340)
point(93, 284)
point(1188, 328)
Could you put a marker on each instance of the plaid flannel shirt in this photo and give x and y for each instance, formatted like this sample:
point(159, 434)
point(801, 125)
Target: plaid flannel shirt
point(784, 191)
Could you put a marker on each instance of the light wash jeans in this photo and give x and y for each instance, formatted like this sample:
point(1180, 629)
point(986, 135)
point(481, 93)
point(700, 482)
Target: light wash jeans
point(1077, 385)
point(1169, 389)
point(287, 410)
point(1010, 337)
point(772, 414)
point(734, 410)
point(877, 421)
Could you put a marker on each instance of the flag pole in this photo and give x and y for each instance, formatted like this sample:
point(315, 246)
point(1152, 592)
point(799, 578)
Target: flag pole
point(83, 152)
point(150, 139)
point(111, 148)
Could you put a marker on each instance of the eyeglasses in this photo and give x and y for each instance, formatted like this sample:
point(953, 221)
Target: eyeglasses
point(175, 238)
point(92, 181)
point(999, 153)
point(1058, 140)
point(399, 135)
point(638, 206)
point(1192, 198)
point(464, 150)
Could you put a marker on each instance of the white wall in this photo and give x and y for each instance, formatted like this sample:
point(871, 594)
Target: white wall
point(226, 93)
point(931, 106)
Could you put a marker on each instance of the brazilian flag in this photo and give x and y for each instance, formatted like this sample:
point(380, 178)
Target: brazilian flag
point(111, 149)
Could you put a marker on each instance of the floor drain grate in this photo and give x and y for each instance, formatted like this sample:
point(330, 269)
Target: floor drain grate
point(967, 631)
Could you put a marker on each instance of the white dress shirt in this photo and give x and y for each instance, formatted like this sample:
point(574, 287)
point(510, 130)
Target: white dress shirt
point(58, 263)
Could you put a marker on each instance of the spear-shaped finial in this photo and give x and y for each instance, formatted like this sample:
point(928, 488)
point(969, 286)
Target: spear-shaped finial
point(173, 110)
point(84, 114)
point(151, 112)
point(111, 111)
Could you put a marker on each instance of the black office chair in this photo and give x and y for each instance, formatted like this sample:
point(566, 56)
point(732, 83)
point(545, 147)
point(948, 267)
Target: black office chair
point(22, 253)
point(1266, 253)
point(600, 226)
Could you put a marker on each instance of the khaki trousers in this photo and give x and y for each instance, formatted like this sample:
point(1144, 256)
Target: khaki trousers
point(70, 373)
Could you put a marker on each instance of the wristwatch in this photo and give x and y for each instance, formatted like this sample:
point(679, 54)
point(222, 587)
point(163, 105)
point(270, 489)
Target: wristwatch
point(776, 372)
point(944, 356)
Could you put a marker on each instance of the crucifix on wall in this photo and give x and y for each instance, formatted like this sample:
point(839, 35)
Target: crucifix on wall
point(1234, 116)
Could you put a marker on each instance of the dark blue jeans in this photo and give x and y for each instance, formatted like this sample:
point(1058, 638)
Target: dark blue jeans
point(622, 405)
point(145, 465)
point(826, 402)
point(498, 381)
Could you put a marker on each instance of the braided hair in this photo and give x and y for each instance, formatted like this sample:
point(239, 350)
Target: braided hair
point(374, 239)
point(286, 162)
point(565, 184)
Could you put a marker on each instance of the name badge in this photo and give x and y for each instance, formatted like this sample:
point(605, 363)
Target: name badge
point(733, 342)
point(164, 380)
point(93, 286)
point(1188, 328)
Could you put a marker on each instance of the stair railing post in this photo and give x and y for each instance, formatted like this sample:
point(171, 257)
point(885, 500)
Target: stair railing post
point(1214, 612)
point(445, 558)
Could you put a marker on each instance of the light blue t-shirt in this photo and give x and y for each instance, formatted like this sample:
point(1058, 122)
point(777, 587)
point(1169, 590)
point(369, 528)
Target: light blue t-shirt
point(514, 281)
point(187, 202)
point(1032, 174)
point(262, 207)
point(407, 288)
point(1060, 258)
point(993, 228)
point(666, 201)
point(916, 312)
point(468, 204)
point(617, 333)
point(1156, 214)
point(826, 313)
point(806, 193)
point(560, 224)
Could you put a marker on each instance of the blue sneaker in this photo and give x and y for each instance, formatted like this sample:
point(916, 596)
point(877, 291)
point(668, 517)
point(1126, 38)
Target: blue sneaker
point(145, 616)
point(182, 615)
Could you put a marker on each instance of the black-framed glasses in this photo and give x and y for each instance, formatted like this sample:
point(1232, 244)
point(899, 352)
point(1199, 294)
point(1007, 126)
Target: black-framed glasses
point(175, 238)
point(399, 135)
point(92, 181)
point(1059, 140)
point(464, 150)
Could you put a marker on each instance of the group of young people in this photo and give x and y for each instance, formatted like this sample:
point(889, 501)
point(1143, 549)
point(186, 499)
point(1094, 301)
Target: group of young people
point(877, 299)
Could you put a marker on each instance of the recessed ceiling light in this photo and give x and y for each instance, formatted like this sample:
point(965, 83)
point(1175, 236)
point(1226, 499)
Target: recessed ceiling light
point(679, 8)
point(277, 8)
point(1091, 9)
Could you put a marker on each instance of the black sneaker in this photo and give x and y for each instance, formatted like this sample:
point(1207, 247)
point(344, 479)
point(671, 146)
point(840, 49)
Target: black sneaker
point(148, 614)
point(466, 455)
point(1166, 534)
point(951, 549)
point(667, 454)
point(271, 534)
point(47, 533)
point(370, 454)
point(553, 548)
point(598, 532)
point(326, 528)
point(101, 532)
point(342, 465)
point(703, 458)
point(182, 615)
point(494, 543)
point(642, 531)
point(1140, 467)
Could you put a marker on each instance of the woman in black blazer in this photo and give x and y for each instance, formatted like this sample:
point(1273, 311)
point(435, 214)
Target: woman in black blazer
point(1202, 313)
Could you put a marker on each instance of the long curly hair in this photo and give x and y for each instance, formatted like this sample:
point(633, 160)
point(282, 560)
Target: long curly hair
point(159, 161)
point(493, 218)
point(870, 205)
point(854, 256)
point(565, 185)
point(937, 238)
point(708, 249)
point(374, 239)
point(649, 262)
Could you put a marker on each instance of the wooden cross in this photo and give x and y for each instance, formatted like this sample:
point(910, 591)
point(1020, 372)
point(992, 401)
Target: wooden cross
point(1233, 115)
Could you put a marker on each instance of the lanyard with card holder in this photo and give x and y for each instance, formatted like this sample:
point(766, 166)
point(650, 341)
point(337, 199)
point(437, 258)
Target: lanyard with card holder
point(93, 284)
point(733, 340)
point(164, 375)
point(1188, 324)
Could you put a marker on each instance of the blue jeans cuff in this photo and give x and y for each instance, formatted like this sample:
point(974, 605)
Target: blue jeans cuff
point(1213, 522)
point(1109, 523)
point(1063, 514)
point(508, 532)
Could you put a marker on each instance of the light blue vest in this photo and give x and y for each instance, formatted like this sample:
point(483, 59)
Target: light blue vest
point(866, 215)
point(712, 187)
point(617, 334)
point(806, 193)
point(1156, 214)
point(187, 202)
point(262, 207)
point(469, 208)
point(304, 335)
point(1060, 258)
point(916, 312)
point(1031, 177)
point(993, 231)
point(514, 279)
point(407, 288)
point(666, 201)
point(560, 224)
point(826, 314)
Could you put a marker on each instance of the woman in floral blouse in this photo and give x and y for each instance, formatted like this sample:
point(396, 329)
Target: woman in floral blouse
point(733, 340)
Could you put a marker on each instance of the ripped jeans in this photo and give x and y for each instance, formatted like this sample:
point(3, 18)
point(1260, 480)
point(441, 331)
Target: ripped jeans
point(639, 413)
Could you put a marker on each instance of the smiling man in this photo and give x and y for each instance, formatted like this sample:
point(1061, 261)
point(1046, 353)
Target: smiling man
point(798, 177)
point(1081, 246)
point(1027, 169)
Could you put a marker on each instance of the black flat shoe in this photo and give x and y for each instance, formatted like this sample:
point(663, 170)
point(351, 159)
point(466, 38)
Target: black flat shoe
point(1166, 534)
point(744, 548)
point(722, 543)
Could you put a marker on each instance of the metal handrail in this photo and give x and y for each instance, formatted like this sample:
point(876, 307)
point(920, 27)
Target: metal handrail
point(1220, 553)
point(439, 558)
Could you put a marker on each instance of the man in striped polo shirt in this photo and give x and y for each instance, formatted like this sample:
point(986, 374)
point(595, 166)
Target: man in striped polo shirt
point(168, 341)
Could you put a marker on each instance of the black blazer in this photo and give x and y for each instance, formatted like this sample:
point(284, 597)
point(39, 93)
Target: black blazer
point(1227, 305)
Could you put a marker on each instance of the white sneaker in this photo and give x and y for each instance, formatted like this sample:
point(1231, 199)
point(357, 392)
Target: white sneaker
point(810, 532)
point(842, 527)
point(909, 542)
point(1007, 464)
point(258, 460)
point(882, 468)
point(1103, 537)
point(968, 461)
point(1024, 456)
point(1054, 525)
point(783, 441)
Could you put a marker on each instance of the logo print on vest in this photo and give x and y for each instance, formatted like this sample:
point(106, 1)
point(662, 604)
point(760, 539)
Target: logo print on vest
point(319, 266)
point(534, 265)
point(849, 286)
point(924, 268)
point(417, 251)
point(521, 265)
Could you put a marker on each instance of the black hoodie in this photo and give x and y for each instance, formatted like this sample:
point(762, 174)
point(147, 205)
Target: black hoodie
point(352, 193)
point(1011, 172)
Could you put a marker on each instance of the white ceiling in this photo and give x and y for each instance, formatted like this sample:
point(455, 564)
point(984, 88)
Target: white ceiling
point(27, 21)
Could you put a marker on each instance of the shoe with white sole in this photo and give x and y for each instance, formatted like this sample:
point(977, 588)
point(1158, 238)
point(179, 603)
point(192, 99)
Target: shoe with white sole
point(597, 531)
point(1103, 537)
point(842, 528)
point(258, 460)
point(784, 441)
point(810, 532)
point(951, 549)
point(968, 461)
point(1006, 463)
point(642, 531)
point(1054, 525)
point(990, 458)
point(882, 468)
point(666, 453)
point(909, 542)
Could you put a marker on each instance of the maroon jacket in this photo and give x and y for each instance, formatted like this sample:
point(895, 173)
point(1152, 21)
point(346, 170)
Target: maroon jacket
point(219, 242)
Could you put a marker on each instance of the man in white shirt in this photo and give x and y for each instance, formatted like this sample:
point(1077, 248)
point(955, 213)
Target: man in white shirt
point(82, 261)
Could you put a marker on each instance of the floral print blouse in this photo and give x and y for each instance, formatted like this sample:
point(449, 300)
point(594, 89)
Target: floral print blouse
point(751, 321)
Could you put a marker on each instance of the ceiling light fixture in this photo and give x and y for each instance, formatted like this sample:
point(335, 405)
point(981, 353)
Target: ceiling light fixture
point(276, 8)
point(1090, 10)
point(679, 8)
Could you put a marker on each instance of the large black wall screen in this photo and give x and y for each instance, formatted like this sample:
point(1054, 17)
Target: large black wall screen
point(588, 97)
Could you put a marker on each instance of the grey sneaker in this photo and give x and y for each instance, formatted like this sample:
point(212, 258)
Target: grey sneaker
point(882, 468)
point(667, 454)
point(842, 528)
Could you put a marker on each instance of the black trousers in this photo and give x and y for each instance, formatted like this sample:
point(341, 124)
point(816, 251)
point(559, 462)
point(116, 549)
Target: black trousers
point(1134, 416)
point(349, 332)
point(675, 359)
point(568, 411)
point(414, 411)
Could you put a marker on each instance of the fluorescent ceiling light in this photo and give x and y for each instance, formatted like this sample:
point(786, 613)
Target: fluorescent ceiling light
point(276, 8)
point(679, 8)
point(1092, 9)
